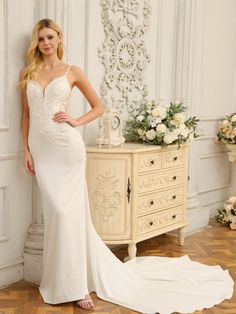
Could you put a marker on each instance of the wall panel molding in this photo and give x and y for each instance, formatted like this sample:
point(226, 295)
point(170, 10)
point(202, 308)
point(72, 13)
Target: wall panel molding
point(4, 114)
point(222, 179)
point(3, 211)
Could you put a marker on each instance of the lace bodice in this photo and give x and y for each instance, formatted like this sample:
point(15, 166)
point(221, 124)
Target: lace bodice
point(43, 104)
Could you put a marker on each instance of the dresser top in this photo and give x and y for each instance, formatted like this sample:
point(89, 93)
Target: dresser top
point(131, 147)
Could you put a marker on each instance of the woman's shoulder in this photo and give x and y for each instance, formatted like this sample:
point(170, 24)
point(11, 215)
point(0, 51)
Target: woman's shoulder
point(77, 72)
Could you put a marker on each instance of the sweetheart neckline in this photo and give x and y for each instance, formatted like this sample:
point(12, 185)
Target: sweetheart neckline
point(44, 90)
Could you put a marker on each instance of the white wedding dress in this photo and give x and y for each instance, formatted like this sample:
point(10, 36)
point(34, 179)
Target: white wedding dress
point(75, 259)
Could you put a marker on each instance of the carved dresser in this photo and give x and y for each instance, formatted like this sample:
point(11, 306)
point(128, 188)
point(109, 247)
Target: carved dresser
point(137, 192)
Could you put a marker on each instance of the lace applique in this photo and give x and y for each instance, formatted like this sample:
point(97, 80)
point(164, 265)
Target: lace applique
point(43, 106)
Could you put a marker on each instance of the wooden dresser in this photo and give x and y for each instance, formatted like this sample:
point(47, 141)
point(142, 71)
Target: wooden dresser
point(137, 192)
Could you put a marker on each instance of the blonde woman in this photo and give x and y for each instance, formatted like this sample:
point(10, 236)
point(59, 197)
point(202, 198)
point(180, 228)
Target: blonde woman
point(75, 259)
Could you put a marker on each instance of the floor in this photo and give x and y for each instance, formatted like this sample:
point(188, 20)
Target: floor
point(215, 245)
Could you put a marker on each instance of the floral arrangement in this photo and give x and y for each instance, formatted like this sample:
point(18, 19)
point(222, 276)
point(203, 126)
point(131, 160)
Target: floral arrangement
point(227, 129)
point(227, 215)
point(160, 123)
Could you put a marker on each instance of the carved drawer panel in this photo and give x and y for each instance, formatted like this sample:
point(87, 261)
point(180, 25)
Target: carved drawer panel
point(160, 200)
point(163, 179)
point(160, 220)
point(173, 158)
point(149, 162)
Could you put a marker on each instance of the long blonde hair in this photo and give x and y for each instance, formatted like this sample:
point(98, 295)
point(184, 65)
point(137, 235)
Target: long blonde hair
point(34, 55)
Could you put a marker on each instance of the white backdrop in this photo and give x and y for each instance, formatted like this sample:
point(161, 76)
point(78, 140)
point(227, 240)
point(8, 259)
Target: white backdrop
point(192, 44)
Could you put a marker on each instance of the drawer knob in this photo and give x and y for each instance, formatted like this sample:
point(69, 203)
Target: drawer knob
point(151, 202)
point(175, 158)
point(174, 197)
point(174, 216)
point(152, 162)
point(174, 177)
point(150, 223)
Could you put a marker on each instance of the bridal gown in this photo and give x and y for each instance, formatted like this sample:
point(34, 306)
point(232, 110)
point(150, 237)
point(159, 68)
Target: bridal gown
point(75, 259)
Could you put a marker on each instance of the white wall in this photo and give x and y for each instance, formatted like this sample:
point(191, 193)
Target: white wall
point(15, 184)
point(192, 48)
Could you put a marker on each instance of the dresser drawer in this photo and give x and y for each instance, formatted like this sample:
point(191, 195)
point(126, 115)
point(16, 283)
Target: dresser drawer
point(159, 180)
point(149, 162)
point(160, 200)
point(173, 158)
point(159, 220)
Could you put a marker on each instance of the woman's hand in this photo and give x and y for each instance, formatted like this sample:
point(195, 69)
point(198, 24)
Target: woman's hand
point(28, 163)
point(61, 116)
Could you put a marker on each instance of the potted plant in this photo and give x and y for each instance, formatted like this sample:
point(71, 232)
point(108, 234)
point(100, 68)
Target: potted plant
point(227, 215)
point(227, 134)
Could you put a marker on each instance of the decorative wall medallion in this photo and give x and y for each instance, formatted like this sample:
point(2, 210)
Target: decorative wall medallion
point(106, 198)
point(123, 53)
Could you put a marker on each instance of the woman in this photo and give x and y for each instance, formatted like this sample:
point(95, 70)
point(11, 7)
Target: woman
point(75, 259)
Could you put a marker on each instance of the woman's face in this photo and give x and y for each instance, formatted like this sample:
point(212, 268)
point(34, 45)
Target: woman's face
point(48, 41)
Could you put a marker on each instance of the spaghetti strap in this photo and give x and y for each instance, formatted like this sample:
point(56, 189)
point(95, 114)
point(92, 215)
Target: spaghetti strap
point(68, 69)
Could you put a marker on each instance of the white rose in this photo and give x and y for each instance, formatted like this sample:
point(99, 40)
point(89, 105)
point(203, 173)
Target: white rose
point(224, 123)
point(177, 102)
point(179, 117)
point(170, 137)
point(232, 199)
point(153, 123)
point(159, 111)
point(140, 118)
point(233, 118)
point(233, 225)
point(151, 134)
point(228, 207)
point(161, 128)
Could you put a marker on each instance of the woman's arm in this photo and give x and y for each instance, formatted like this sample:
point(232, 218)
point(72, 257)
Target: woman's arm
point(28, 163)
point(80, 80)
point(24, 115)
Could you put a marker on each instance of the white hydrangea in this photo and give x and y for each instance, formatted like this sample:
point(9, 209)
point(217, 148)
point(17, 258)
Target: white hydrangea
point(151, 134)
point(161, 128)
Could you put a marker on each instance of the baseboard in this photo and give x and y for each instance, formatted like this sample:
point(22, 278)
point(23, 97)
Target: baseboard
point(33, 268)
point(11, 272)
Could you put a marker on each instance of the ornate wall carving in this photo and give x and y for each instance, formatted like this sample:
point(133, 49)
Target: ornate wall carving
point(123, 52)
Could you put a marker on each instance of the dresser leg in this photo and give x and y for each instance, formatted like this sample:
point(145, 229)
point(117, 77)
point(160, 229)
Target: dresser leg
point(181, 235)
point(132, 250)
